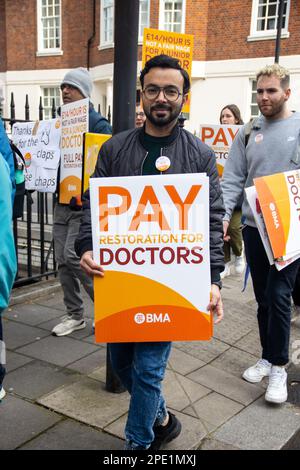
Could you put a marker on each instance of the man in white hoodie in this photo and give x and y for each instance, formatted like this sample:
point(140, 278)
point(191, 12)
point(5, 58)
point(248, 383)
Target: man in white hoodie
point(273, 147)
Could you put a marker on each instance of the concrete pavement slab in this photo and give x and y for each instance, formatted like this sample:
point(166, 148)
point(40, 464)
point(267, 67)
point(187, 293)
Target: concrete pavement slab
point(91, 339)
point(58, 350)
point(227, 384)
point(88, 402)
point(261, 426)
point(15, 360)
point(31, 313)
point(34, 291)
point(99, 374)
point(231, 330)
point(21, 421)
point(180, 392)
point(71, 435)
point(16, 334)
point(89, 363)
point(212, 444)
point(216, 409)
point(242, 314)
point(250, 343)
point(206, 351)
point(234, 361)
point(54, 300)
point(189, 410)
point(38, 378)
point(183, 363)
point(232, 290)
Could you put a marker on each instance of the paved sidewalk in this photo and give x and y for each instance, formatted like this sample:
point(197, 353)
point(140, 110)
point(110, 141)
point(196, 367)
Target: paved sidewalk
point(56, 396)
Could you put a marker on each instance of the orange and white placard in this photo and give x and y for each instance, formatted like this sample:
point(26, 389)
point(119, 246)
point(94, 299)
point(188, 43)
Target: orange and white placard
point(75, 122)
point(219, 138)
point(177, 45)
point(279, 197)
point(151, 235)
point(91, 146)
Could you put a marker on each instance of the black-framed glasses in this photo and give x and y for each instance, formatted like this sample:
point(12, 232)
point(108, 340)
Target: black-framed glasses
point(140, 114)
point(171, 93)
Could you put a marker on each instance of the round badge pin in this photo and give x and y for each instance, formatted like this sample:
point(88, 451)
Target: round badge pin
point(162, 163)
point(259, 138)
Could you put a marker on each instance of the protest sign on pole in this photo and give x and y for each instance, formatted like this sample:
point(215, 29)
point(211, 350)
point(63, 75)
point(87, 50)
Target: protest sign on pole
point(177, 45)
point(151, 235)
point(39, 143)
point(75, 122)
point(219, 137)
point(91, 146)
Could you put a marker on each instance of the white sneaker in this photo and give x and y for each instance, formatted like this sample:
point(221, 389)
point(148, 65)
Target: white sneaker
point(256, 373)
point(226, 271)
point(2, 393)
point(277, 388)
point(67, 326)
point(239, 264)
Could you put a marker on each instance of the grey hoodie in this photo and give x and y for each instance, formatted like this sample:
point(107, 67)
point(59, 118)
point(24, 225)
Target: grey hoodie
point(273, 147)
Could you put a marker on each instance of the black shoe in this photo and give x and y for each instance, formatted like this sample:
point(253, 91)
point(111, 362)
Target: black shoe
point(165, 434)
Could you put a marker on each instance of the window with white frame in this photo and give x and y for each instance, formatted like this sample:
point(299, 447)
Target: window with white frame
point(172, 15)
point(265, 18)
point(254, 106)
point(48, 94)
point(107, 22)
point(49, 25)
point(144, 17)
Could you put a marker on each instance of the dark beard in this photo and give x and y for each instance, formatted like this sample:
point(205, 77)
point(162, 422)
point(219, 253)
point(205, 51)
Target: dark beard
point(163, 121)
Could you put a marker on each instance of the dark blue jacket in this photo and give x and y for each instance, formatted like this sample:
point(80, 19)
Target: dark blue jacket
point(97, 123)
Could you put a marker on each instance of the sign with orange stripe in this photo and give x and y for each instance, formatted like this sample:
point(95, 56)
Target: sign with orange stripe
point(177, 45)
point(151, 235)
point(219, 138)
point(75, 122)
point(279, 197)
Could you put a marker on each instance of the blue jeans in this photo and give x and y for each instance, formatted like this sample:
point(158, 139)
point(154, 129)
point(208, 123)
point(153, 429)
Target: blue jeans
point(141, 368)
point(272, 289)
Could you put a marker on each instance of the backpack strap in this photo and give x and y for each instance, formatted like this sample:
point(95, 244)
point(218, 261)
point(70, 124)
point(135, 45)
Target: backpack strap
point(17, 151)
point(253, 123)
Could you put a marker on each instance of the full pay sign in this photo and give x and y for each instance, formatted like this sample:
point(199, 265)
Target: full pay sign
point(151, 235)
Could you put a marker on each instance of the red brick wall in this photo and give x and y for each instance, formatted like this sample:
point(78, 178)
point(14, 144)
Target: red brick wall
point(220, 31)
point(3, 66)
point(229, 25)
point(22, 46)
point(197, 23)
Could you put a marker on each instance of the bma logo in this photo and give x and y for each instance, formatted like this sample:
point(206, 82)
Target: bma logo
point(140, 318)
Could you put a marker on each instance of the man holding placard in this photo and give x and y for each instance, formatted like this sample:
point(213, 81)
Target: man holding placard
point(272, 147)
point(76, 85)
point(160, 147)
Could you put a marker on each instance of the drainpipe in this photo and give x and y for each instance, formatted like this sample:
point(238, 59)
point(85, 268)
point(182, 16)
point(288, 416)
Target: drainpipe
point(91, 38)
point(279, 27)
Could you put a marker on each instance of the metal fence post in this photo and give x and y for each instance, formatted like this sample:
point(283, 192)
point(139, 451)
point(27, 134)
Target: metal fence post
point(42, 208)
